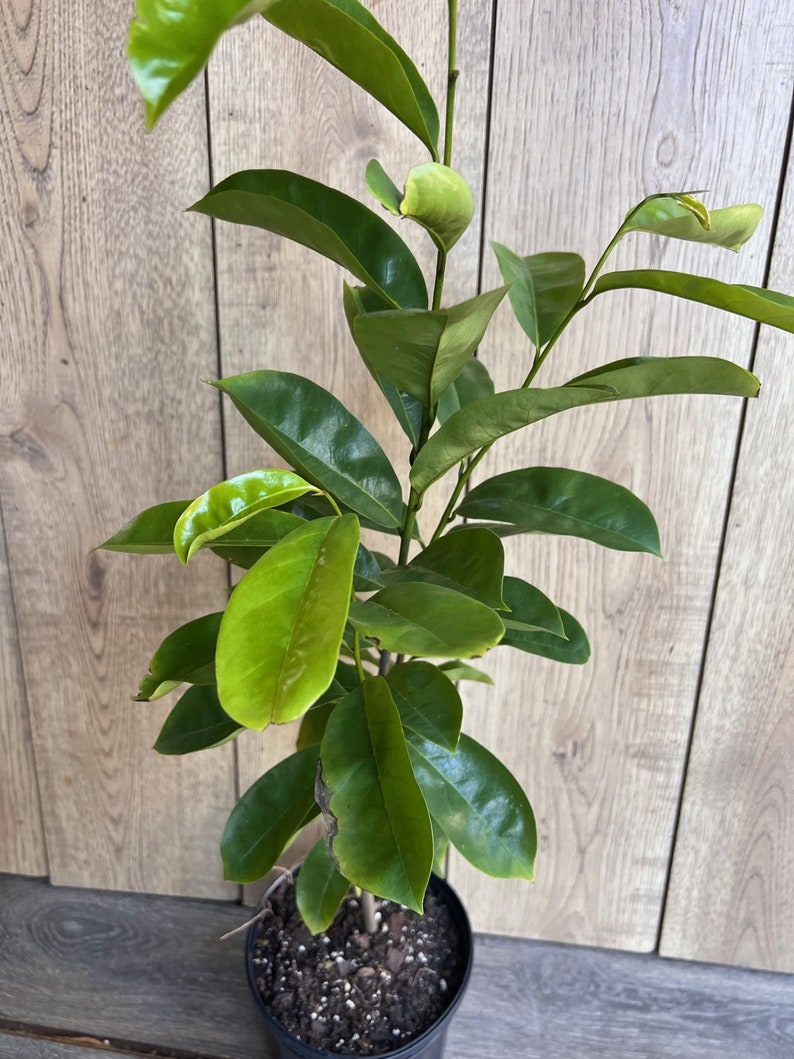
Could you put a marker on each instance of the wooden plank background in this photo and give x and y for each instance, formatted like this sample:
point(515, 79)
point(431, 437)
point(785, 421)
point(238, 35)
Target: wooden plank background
point(108, 305)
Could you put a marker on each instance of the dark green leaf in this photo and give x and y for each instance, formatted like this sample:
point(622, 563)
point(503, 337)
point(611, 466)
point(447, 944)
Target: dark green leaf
point(545, 287)
point(457, 670)
point(314, 721)
point(325, 220)
point(366, 572)
point(659, 376)
point(479, 805)
point(440, 848)
point(573, 649)
point(382, 838)
point(767, 307)
point(471, 560)
point(428, 620)
point(280, 636)
point(473, 383)
point(185, 655)
point(197, 722)
point(530, 609)
point(558, 500)
point(268, 815)
point(149, 533)
point(680, 216)
point(428, 702)
point(324, 442)
point(319, 889)
point(248, 542)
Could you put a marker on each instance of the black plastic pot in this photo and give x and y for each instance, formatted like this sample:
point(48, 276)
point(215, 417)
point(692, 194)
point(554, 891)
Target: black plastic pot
point(429, 1045)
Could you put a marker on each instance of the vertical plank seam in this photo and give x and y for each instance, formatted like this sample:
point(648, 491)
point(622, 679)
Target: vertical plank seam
point(486, 146)
point(781, 186)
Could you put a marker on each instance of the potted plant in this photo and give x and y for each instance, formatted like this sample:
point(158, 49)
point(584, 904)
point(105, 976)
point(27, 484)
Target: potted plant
point(361, 646)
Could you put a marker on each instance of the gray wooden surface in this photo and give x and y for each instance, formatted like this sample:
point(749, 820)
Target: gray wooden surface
point(148, 974)
point(19, 1046)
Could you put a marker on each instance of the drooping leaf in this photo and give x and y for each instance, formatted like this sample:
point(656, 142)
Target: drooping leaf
point(319, 889)
point(767, 307)
point(230, 504)
point(530, 609)
point(381, 834)
point(381, 186)
point(439, 199)
point(427, 620)
point(544, 289)
point(457, 670)
point(473, 383)
point(325, 443)
point(681, 216)
point(248, 542)
point(572, 648)
point(471, 560)
point(187, 655)
point(270, 812)
point(149, 533)
point(573, 503)
point(490, 418)
point(197, 722)
point(279, 639)
point(428, 702)
point(479, 805)
point(324, 220)
point(422, 353)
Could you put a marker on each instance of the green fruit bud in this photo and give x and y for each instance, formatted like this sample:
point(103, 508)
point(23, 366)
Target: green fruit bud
point(440, 200)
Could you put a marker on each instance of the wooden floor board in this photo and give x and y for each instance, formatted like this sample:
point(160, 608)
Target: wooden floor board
point(149, 975)
point(17, 1046)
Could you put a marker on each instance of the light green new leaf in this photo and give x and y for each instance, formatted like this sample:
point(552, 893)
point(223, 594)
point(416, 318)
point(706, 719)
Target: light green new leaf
point(572, 503)
point(479, 805)
point(767, 307)
point(439, 199)
point(325, 220)
point(197, 722)
point(381, 186)
point(457, 670)
point(149, 533)
point(530, 609)
point(470, 560)
point(422, 353)
point(680, 216)
point(473, 383)
point(572, 647)
point(490, 418)
point(428, 702)
point(270, 812)
point(231, 503)
point(325, 443)
point(187, 655)
point(381, 835)
point(545, 287)
point(319, 889)
point(280, 636)
point(427, 620)
point(247, 543)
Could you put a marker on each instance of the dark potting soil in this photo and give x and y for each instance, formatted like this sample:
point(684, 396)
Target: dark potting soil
point(351, 992)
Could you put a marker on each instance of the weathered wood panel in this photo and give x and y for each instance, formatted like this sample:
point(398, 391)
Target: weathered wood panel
point(15, 1046)
point(274, 103)
point(595, 107)
point(731, 897)
point(149, 974)
point(107, 327)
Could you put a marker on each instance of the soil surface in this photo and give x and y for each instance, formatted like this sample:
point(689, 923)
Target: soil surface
point(351, 992)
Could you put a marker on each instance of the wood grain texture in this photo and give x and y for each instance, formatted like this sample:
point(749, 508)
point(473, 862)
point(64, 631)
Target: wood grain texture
point(274, 103)
point(594, 108)
point(22, 847)
point(16, 1046)
point(731, 897)
point(147, 974)
point(107, 327)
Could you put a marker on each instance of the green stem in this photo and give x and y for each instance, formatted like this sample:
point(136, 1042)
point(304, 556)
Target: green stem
point(464, 473)
point(438, 286)
point(452, 79)
point(362, 676)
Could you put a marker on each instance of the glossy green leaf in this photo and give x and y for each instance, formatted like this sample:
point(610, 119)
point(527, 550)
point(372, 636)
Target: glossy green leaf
point(544, 289)
point(170, 42)
point(325, 443)
point(381, 835)
point(530, 609)
point(767, 307)
point(479, 805)
point(325, 220)
point(319, 889)
point(314, 721)
point(573, 648)
point(439, 199)
point(473, 383)
point(270, 812)
point(457, 670)
point(231, 503)
point(149, 533)
point(681, 216)
point(428, 702)
point(187, 655)
point(349, 37)
point(280, 635)
point(427, 620)
point(572, 503)
point(422, 353)
point(247, 543)
point(440, 849)
point(197, 722)
point(381, 186)
point(490, 418)
point(366, 572)
point(471, 560)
